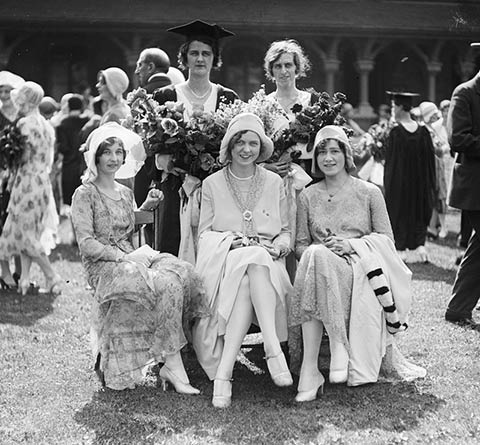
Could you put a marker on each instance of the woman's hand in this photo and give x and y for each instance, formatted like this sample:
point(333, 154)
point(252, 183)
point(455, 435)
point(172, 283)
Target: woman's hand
point(153, 198)
point(143, 255)
point(338, 245)
point(280, 168)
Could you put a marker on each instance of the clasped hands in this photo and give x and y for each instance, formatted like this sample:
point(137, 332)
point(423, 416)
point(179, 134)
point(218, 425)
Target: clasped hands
point(144, 255)
point(241, 240)
point(338, 245)
point(154, 196)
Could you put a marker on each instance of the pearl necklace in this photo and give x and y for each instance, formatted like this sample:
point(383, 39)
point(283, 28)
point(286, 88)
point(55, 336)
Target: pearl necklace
point(199, 96)
point(286, 105)
point(331, 195)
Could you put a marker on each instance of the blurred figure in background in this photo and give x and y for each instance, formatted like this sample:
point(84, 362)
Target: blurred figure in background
point(112, 83)
point(409, 179)
point(152, 68)
point(68, 144)
point(31, 226)
point(175, 76)
point(8, 114)
point(433, 121)
point(48, 107)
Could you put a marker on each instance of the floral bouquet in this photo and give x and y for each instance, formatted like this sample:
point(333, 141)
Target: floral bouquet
point(203, 136)
point(12, 147)
point(309, 120)
point(161, 127)
point(373, 141)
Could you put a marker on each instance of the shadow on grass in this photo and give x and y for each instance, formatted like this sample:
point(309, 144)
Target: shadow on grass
point(260, 412)
point(431, 272)
point(24, 310)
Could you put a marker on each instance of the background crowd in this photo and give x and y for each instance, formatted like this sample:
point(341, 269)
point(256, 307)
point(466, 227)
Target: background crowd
point(283, 243)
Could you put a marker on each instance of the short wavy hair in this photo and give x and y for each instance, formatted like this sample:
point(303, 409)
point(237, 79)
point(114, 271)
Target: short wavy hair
point(213, 43)
point(107, 143)
point(287, 46)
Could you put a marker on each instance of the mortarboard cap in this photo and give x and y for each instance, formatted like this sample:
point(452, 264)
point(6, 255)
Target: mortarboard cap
point(198, 28)
point(402, 97)
point(475, 45)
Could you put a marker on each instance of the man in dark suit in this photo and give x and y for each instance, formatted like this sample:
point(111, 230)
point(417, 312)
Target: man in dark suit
point(463, 127)
point(152, 68)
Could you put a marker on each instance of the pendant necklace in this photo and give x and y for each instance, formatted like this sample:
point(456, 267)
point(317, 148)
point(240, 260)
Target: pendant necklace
point(331, 195)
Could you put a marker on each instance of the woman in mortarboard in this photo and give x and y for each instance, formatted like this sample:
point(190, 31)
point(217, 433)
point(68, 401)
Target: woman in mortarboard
point(409, 178)
point(198, 55)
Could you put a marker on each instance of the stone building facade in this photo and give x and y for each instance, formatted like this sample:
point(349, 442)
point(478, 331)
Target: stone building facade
point(360, 47)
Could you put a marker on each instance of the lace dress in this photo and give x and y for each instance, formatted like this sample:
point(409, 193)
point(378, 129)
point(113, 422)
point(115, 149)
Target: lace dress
point(32, 221)
point(323, 284)
point(139, 315)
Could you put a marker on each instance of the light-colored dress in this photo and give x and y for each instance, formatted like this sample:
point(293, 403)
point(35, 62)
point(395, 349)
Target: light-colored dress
point(221, 268)
point(32, 221)
point(324, 281)
point(139, 315)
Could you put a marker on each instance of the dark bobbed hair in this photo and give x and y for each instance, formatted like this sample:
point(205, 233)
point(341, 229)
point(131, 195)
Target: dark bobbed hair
point(107, 143)
point(213, 43)
point(287, 46)
point(322, 144)
point(236, 137)
point(405, 103)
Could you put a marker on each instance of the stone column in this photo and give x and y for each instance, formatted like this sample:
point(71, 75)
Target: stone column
point(364, 68)
point(331, 69)
point(433, 68)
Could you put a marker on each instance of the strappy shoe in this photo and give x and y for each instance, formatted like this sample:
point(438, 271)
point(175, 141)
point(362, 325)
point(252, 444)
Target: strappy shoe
point(167, 375)
point(278, 368)
point(309, 395)
point(53, 286)
point(222, 393)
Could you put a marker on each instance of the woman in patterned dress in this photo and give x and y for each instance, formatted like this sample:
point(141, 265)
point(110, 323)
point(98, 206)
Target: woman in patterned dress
point(8, 113)
point(143, 300)
point(337, 218)
point(32, 221)
point(244, 237)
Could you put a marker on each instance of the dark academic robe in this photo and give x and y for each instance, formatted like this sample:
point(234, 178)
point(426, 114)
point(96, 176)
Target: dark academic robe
point(409, 181)
point(170, 233)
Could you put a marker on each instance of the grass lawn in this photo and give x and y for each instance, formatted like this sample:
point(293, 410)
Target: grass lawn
point(49, 393)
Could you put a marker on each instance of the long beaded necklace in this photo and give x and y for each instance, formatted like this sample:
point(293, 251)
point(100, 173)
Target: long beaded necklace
point(246, 205)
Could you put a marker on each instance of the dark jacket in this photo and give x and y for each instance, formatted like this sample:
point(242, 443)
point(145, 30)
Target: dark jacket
point(156, 81)
point(463, 127)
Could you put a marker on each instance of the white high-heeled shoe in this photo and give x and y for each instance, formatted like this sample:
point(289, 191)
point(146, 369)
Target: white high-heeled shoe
point(167, 375)
point(222, 393)
point(316, 386)
point(278, 368)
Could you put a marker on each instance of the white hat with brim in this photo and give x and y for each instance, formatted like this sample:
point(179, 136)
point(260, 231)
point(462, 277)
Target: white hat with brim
point(10, 79)
point(428, 110)
point(337, 133)
point(246, 122)
point(132, 143)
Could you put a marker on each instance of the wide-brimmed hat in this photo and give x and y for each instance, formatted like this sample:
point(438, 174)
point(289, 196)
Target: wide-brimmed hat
point(10, 79)
point(337, 133)
point(428, 110)
point(132, 143)
point(246, 122)
point(116, 81)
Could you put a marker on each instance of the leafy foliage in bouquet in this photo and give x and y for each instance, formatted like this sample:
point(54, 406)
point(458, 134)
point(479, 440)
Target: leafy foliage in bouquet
point(374, 140)
point(308, 121)
point(202, 142)
point(12, 147)
point(161, 127)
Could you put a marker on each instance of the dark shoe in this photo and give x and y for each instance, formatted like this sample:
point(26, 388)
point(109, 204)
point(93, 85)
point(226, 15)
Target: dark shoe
point(464, 322)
